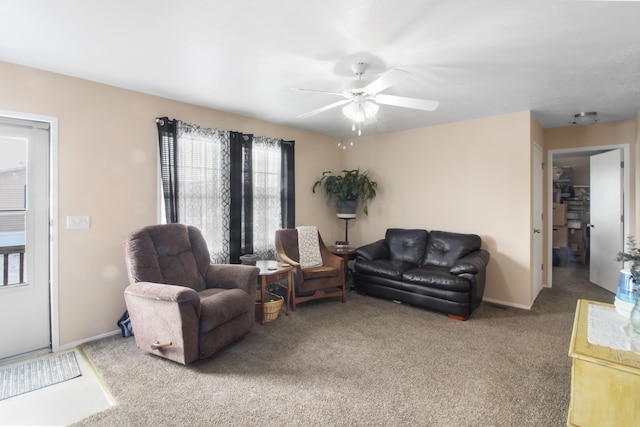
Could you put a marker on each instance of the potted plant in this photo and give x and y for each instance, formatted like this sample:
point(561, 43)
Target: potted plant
point(632, 255)
point(349, 187)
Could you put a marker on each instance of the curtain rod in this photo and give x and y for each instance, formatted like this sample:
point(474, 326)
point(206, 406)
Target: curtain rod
point(160, 121)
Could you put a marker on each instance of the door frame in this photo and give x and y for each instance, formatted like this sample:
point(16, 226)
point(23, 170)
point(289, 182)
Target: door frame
point(549, 175)
point(54, 321)
point(537, 279)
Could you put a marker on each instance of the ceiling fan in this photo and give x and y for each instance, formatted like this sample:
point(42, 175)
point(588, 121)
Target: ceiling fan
point(362, 97)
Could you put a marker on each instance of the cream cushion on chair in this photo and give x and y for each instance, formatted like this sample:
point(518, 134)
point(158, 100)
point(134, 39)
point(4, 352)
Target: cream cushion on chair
point(308, 246)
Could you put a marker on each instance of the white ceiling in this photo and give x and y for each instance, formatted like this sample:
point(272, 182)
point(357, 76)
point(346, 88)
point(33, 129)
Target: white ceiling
point(477, 58)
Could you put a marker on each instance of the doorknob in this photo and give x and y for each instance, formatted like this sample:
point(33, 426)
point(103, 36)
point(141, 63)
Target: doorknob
point(536, 230)
point(591, 226)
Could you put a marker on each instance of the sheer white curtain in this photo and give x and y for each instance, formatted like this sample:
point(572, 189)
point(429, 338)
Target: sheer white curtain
point(203, 185)
point(267, 211)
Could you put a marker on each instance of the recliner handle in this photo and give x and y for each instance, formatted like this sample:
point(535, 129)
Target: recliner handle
point(157, 345)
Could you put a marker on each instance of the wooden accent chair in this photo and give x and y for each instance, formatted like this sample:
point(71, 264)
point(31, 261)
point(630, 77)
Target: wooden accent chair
point(181, 306)
point(324, 281)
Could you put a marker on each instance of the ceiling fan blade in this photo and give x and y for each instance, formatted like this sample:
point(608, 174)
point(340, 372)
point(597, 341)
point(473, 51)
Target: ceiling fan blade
point(325, 108)
point(389, 78)
point(401, 101)
point(318, 91)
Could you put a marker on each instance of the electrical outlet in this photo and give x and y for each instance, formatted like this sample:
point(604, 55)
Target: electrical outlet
point(79, 221)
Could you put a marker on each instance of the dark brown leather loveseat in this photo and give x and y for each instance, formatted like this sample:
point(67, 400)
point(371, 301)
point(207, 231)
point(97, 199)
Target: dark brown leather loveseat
point(437, 270)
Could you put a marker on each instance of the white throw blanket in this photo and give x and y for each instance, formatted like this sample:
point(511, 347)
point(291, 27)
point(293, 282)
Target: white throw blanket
point(309, 246)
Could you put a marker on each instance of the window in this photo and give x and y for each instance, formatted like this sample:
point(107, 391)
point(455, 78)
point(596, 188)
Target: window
point(236, 188)
point(267, 209)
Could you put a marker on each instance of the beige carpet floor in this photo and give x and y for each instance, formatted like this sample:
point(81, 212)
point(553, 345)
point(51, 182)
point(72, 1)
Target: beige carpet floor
point(368, 362)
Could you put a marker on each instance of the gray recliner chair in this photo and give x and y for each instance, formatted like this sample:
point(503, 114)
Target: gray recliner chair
point(181, 306)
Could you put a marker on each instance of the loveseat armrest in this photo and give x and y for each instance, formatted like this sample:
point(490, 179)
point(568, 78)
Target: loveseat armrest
point(472, 263)
point(231, 276)
point(372, 251)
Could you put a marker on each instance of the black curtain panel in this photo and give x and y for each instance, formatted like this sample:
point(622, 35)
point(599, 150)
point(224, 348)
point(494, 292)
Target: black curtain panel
point(288, 192)
point(167, 143)
point(241, 208)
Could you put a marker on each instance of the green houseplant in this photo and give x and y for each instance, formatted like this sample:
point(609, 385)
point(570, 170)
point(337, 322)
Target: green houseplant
point(632, 255)
point(350, 186)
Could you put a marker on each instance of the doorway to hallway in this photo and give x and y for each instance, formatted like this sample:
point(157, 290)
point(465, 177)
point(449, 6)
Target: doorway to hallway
point(595, 207)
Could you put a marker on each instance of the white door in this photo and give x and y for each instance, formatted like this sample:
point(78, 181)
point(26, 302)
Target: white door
point(537, 221)
point(606, 223)
point(24, 237)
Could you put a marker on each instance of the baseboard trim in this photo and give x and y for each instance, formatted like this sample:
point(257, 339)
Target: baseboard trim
point(508, 304)
point(94, 338)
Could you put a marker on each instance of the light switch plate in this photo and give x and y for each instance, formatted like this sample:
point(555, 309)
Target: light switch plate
point(79, 221)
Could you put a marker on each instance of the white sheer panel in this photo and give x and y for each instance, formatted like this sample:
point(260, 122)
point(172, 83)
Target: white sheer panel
point(203, 185)
point(267, 214)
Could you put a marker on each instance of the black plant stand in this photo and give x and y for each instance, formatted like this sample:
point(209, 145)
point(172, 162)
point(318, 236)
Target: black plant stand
point(346, 227)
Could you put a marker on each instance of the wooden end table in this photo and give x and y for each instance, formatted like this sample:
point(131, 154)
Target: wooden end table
point(273, 272)
point(605, 382)
point(346, 254)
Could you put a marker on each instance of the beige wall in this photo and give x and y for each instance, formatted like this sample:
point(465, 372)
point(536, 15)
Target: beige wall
point(468, 177)
point(107, 169)
point(472, 176)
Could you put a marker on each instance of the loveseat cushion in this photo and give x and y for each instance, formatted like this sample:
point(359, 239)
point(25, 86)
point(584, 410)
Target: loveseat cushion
point(406, 245)
point(445, 248)
point(436, 277)
point(471, 263)
point(383, 268)
point(219, 306)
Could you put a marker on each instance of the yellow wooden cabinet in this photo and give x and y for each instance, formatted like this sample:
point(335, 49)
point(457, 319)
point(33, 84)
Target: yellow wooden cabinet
point(605, 382)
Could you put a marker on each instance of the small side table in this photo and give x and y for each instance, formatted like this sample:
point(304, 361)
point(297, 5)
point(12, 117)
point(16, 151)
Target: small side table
point(273, 272)
point(346, 254)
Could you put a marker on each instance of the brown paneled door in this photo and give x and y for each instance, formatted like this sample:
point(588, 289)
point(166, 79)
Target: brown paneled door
point(25, 320)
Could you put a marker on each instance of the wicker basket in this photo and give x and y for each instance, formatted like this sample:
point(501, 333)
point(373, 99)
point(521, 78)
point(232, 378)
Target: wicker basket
point(249, 259)
point(271, 308)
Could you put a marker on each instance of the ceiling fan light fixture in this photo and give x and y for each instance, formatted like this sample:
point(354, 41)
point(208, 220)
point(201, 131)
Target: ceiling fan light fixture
point(361, 99)
point(370, 109)
point(360, 111)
